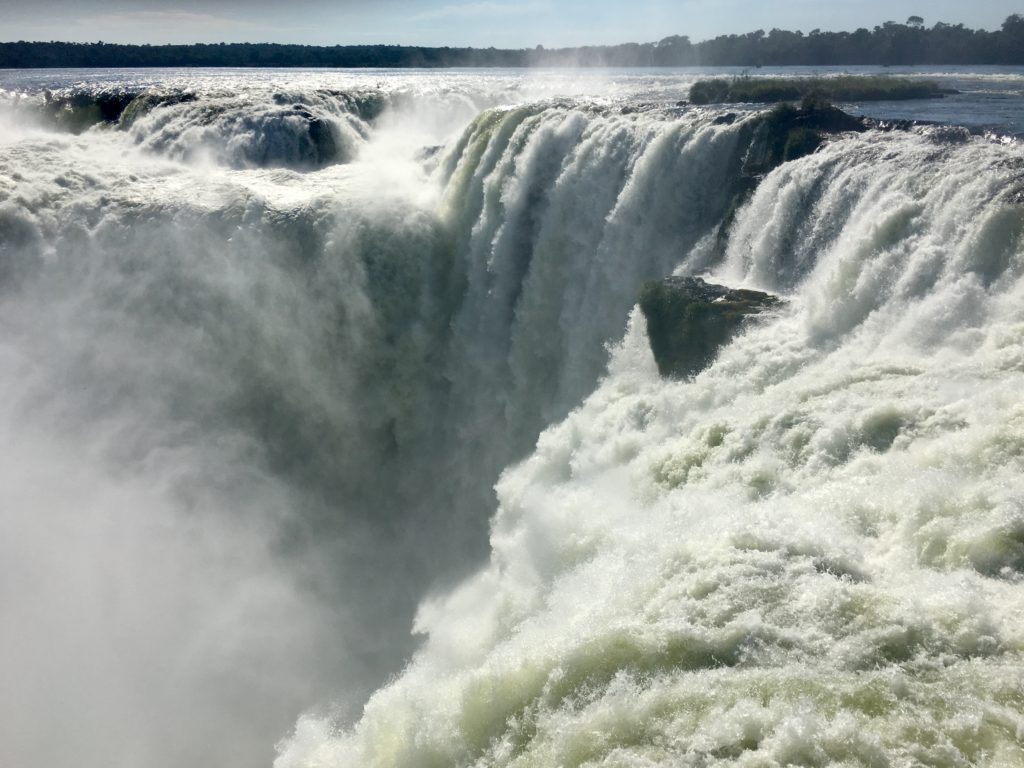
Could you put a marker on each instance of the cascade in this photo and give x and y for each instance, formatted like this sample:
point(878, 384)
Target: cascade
point(283, 377)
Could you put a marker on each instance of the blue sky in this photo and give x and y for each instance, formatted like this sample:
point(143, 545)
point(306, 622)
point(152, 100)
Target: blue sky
point(501, 23)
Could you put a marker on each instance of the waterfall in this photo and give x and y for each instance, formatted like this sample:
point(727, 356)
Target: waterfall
point(290, 370)
point(810, 553)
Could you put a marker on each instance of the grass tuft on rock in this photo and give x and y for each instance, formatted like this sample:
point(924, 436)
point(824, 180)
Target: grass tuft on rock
point(769, 90)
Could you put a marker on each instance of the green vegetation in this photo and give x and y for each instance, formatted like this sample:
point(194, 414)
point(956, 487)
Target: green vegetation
point(766, 90)
point(891, 43)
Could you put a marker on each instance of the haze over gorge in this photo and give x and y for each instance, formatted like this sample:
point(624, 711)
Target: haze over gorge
point(334, 437)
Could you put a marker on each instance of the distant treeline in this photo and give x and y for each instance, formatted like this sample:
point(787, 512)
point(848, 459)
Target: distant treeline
point(890, 43)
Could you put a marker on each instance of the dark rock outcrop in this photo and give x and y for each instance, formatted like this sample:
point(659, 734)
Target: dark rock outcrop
point(78, 111)
point(324, 147)
point(689, 320)
point(787, 133)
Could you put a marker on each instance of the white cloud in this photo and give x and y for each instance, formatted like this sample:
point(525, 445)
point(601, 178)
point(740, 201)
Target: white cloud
point(162, 18)
point(482, 10)
point(177, 26)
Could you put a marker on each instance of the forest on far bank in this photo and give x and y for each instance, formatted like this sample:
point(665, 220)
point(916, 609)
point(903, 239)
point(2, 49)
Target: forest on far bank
point(891, 43)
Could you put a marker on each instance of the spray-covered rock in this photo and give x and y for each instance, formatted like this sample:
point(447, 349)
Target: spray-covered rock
point(689, 320)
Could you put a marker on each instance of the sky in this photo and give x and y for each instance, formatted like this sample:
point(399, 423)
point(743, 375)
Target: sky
point(479, 23)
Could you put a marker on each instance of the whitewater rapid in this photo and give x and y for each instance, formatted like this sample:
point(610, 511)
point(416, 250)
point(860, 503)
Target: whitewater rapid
point(810, 554)
point(258, 387)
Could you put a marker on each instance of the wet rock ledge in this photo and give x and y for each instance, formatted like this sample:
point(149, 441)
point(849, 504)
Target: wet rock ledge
point(689, 320)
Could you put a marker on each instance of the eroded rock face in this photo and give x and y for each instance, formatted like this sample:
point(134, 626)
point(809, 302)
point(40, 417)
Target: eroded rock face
point(689, 320)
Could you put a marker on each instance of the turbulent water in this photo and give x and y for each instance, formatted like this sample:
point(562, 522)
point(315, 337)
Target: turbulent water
point(294, 363)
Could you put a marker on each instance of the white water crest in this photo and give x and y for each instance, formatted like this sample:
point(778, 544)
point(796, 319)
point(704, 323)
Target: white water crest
point(257, 395)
